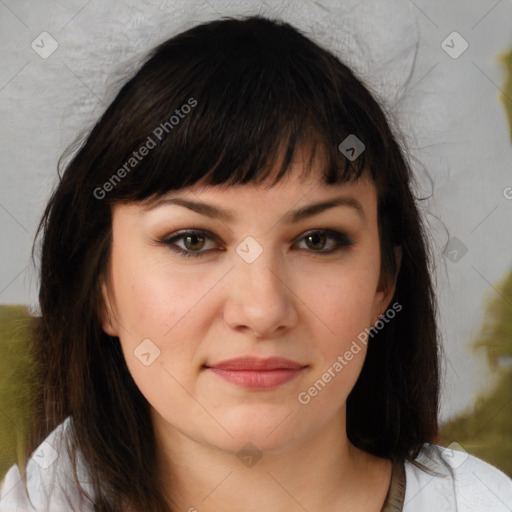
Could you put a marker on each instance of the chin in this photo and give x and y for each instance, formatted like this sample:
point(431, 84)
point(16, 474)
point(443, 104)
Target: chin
point(271, 431)
point(247, 440)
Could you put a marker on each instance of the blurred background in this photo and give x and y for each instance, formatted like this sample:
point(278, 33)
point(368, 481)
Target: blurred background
point(442, 71)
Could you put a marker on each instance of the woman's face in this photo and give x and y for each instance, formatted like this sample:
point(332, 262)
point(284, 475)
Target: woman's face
point(261, 280)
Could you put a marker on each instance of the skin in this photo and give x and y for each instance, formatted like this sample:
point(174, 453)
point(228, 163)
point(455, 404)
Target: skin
point(290, 302)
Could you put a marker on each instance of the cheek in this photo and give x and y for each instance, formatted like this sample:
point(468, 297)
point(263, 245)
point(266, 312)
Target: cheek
point(346, 316)
point(164, 306)
point(343, 303)
point(154, 299)
point(344, 308)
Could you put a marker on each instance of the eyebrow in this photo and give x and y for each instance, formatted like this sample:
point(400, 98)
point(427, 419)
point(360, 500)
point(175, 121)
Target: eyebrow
point(291, 217)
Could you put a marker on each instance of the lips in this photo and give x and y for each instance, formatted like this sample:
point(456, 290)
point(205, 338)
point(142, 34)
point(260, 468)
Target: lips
point(257, 374)
point(254, 363)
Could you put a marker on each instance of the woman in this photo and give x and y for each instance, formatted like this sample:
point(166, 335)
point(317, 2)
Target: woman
point(237, 310)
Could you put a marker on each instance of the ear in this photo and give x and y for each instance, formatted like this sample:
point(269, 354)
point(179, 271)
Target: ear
point(385, 293)
point(107, 311)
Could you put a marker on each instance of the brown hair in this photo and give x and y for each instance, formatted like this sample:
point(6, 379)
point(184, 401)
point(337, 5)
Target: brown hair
point(259, 86)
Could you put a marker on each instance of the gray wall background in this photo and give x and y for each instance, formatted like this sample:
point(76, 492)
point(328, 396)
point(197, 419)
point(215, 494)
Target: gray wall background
point(61, 63)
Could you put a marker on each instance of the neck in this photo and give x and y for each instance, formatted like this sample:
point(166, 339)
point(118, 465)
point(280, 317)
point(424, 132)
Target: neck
point(324, 472)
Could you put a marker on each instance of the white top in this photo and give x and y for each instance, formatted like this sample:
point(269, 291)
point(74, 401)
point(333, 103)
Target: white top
point(463, 483)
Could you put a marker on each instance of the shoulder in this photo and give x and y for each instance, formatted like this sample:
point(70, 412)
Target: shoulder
point(443, 479)
point(50, 479)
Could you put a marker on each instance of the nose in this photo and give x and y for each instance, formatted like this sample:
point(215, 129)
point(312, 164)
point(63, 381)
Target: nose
point(260, 298)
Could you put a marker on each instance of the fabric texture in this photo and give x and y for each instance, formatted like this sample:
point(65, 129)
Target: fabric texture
point(395, 497)
point(440, 480)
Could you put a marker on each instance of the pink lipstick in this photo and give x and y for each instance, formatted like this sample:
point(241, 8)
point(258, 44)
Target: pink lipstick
point(256, 373)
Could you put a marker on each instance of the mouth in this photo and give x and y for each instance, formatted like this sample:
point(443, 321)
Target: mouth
point(257, 374)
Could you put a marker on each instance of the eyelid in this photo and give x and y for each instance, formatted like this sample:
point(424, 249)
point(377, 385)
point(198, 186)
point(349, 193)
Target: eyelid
point(343, 240)
point(177, 235)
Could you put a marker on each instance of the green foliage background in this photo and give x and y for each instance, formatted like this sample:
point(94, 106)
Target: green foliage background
point(506, 94)
point(486, 429)
point(18, 379)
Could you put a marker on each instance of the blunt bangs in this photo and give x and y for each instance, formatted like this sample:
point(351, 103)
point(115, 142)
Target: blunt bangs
point(229, 110)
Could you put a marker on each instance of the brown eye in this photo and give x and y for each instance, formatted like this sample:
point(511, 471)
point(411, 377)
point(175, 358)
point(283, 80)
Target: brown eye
point(190, 243)
point(316, 241)
point(325, 241)
point(194, 242)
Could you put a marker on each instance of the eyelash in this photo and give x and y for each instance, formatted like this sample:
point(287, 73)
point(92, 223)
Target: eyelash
point(342, 241)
